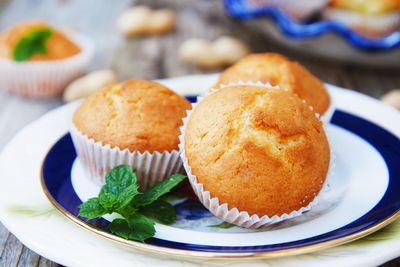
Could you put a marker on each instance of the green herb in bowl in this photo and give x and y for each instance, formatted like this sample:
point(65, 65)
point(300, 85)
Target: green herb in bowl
point(33, 43)
point(138, 210)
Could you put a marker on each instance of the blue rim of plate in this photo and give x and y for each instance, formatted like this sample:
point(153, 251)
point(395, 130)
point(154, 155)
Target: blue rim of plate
point(57, 185)
point(241, 10)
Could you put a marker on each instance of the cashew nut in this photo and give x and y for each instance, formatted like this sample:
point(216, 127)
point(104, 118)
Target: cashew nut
point(225, 50)
point(142, 20)
point(392, 98)
point(88, 84)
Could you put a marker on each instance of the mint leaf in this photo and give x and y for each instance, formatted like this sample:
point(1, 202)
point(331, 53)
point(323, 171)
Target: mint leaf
point(137, 227)
point(223, 225)
point(172, 198)
point(161, 211)
point(91, 209)
point(120, 188)
point(153, 193)
point(120, 195)
point(108, 201)
point(120, 227)
point(33, 43)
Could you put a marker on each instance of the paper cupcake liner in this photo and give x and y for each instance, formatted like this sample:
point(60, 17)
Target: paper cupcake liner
point(365, 24)
point(233, 215)
point(45, 79)
point(297, 9)
point(328, 114)
point(98, 159)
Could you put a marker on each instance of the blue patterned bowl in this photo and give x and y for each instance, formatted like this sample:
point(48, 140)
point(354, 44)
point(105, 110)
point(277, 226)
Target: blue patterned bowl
point(241, 9)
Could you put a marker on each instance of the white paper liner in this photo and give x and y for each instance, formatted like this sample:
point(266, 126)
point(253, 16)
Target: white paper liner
point(221, 210)
point(44, 79)
point(297, 9)
point(327, 116)
point(365, 24)
point(97, 159)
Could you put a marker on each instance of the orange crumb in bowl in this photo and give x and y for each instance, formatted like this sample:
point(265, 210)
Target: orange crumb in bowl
point(58, 45)
point(368, 6)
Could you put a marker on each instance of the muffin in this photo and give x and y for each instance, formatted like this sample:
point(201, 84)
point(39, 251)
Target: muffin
point(57, 45)
point(298, 10)
point(371, 18)
point(261, 153)
point(38, 60)
point(278, 70)
point(135, 123)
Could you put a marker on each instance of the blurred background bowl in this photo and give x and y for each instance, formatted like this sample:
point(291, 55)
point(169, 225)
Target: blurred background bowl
point(327, 39)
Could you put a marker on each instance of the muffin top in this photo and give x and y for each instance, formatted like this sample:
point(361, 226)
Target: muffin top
point(368, 6)
point(35, 41)
point(260, 150)
point(136, 115)
point(278, 70)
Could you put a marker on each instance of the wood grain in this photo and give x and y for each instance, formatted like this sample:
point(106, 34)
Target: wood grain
point(149, 58)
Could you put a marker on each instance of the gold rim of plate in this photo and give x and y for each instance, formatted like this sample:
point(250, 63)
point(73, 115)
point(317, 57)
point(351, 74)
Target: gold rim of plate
point(215, 255)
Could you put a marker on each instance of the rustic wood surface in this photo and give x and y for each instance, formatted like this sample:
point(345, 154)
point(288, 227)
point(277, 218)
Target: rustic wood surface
point(150, 58)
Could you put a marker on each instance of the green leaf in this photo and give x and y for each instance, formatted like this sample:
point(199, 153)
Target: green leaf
point(33, 43)
point(127, 211)
point(108, 201)
point(137, 227)
point(223, 225)
point(161, 211)
point(91, 209)
point(120, 188)
point(172, 198)
point(153, 193)
point(120, 195)
point(120, 227)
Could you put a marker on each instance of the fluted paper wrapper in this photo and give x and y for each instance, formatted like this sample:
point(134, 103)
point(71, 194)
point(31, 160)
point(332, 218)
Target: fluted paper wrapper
point(327, 116)
point(44, 79)
point(222, 210)
point(98, 159)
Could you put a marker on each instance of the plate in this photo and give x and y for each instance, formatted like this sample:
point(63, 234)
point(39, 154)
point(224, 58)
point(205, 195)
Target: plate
point(26, 212)
point(358, 202)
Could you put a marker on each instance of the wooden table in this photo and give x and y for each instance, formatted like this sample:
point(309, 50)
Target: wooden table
point(149, 58)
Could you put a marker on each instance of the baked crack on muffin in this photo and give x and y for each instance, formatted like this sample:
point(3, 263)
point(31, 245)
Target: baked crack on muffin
point(259, 150)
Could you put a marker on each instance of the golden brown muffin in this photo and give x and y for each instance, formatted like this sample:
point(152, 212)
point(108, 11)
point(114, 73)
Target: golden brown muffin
point(138, 115)
point(278, 70)
point(58, 46)
point(367, 6)
point(260, 150)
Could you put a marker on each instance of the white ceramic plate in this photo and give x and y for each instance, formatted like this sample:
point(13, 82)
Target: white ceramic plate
point(26, 212)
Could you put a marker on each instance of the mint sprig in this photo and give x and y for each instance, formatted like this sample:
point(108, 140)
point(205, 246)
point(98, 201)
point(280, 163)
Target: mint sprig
point(92, 209)
point(161, 211)
point(34, 42)
point(136, 227)
point(223, 225)
point(120, 188)
point(158, 190)
point(138, 210)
